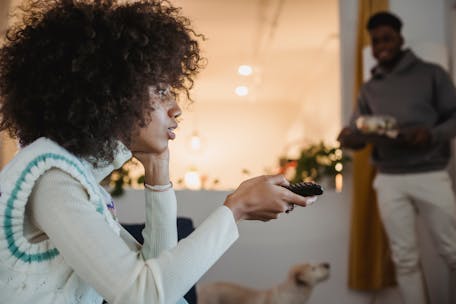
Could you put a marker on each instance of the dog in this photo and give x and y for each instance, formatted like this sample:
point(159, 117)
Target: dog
point(296, 289)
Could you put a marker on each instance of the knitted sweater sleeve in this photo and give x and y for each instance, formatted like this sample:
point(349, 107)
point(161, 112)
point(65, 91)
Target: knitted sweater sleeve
point(118, 271)
point(160, 231)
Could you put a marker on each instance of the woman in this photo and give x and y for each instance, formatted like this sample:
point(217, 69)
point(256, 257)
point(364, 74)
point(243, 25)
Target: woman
point(84, 86)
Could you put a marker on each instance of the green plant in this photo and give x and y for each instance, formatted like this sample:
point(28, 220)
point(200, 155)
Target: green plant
point(317, 161)
point(125, 176)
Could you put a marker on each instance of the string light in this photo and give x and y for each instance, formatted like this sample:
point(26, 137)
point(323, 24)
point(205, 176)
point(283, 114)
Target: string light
point(192, 179)
point(339, 167)
point(339, 181)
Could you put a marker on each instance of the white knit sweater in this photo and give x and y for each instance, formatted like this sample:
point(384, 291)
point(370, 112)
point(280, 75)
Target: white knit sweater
point(60, 244)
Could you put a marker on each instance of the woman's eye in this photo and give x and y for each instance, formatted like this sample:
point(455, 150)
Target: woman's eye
point(160, 92)
point(163, 92)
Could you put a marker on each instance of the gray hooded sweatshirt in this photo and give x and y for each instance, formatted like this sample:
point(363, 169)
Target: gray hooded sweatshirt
point(415, 93)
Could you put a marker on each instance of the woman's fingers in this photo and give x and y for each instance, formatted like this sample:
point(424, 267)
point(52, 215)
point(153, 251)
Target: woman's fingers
point(264, 216)
point(278, 179)
point(291, 197)
point(264, 198)
point(311, 199)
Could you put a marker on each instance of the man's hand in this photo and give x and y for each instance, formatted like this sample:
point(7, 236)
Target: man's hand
point(417, 137)
point(350, 139)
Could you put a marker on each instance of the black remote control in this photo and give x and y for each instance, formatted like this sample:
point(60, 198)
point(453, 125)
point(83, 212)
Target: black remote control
point(306, 188)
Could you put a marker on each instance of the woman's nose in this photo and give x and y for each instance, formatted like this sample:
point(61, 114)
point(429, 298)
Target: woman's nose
point(175, 111)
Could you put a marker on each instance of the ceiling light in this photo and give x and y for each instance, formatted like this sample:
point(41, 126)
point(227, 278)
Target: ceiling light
point(242, 91)
point(245, 70)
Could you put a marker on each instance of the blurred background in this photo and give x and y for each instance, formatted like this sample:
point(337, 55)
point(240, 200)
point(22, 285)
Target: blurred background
point(280, 79)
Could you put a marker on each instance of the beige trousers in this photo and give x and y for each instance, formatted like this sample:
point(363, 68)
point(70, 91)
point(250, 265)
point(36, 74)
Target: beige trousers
point(400, 198)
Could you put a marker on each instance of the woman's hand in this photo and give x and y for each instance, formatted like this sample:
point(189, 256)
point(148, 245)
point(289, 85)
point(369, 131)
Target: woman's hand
point(156, 167)
point(262, 198)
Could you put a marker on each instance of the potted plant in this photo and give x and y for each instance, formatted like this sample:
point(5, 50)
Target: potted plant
point(316, 162)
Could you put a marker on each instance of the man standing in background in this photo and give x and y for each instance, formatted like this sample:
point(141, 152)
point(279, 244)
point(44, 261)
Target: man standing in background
point(412, 176)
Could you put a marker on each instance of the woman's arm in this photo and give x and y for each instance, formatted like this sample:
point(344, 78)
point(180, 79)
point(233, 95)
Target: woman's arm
point(60, 207)
point(160, 231)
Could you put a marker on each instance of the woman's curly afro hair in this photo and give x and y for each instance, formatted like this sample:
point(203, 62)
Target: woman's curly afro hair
point(79, 71)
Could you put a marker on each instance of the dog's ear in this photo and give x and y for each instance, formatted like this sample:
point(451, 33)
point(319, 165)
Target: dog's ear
point(298, 275)
point(300, 280)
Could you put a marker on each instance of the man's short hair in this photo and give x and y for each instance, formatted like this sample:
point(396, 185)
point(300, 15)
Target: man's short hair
point(384, 18)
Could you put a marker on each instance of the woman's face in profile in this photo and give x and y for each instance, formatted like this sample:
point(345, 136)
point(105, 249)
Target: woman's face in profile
point(159, 128)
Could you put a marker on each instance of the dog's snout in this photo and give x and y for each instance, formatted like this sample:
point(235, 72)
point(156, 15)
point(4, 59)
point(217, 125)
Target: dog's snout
point(326, 265)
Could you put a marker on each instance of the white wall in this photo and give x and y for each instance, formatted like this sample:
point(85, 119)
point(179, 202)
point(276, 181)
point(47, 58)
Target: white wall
point(423, 20)
point(347, 33)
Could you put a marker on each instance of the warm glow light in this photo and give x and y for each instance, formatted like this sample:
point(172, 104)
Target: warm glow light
point(195, 142)
point(242, 90)
point(192, 180)
point(245, 70)
point(339, 153)
point(339, 167)
point(339, 182)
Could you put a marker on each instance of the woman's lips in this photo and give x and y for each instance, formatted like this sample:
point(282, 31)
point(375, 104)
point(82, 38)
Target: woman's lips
point(171, 134)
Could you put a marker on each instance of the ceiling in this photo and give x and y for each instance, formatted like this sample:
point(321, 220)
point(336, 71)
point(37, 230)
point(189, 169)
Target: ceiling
point(289, 43)
point(286, 41)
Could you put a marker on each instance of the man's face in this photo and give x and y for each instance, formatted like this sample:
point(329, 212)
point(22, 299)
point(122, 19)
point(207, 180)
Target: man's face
point(386, 44)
